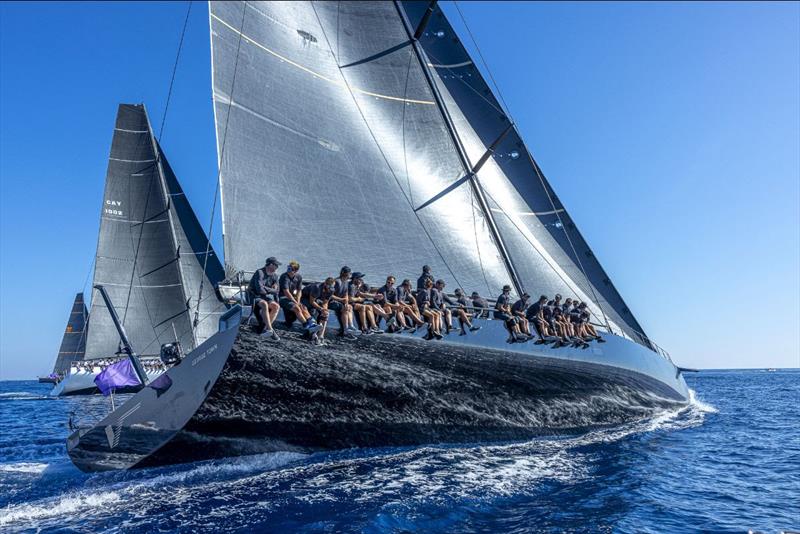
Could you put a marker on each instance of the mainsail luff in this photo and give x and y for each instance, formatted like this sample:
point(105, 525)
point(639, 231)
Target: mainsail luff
point(517, 182)
point(73, 343)
point(136, 259)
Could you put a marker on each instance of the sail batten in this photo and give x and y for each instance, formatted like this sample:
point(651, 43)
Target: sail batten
point(143, 227)
point(517, 183)
point(332, 150)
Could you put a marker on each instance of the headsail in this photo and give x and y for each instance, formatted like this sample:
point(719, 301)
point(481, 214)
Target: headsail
point(547, 247)
point(193, 244)
point(73, 343)
point(140, 251)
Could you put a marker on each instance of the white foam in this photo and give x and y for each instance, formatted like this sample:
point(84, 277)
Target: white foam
point(63, 506)
point(23, 467)
point(700, 405)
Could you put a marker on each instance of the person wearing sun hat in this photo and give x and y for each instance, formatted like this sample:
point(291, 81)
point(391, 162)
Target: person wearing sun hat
point(263, 291)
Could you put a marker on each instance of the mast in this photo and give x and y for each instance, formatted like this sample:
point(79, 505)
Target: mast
point(471, 172)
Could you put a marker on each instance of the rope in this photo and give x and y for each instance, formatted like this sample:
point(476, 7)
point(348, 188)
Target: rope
point(172, 78)
point(383, 155)
point(219, 171)
point(538, 172)
point(155, 164)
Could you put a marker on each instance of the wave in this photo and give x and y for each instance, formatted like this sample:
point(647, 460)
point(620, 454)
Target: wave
point(24, 467)
point(22, 395)
point(106, 490)
point(61, 507)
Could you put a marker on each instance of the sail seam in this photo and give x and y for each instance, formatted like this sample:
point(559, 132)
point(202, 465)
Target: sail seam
point(383, 155)
point(319, 75)
point(133, 160)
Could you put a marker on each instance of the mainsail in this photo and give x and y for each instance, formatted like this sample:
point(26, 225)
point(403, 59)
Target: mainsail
point(149, 255)
point(73, 343)
point(333, 149)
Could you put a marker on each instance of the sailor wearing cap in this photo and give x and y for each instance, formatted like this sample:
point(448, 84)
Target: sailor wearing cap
point(263, 292)
point(290, 286)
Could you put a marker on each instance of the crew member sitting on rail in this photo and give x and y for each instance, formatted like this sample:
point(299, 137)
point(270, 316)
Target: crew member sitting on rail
point(340, 304)
point(480, 306)
point(290, 284)
point(425, 305)
point(535, 315)
point(502, 311)
point(409, 302)
point(391, 304)
point(440, 301)
point(378, 301)
point(363, 306)
point(566, 310)
point(557, 323)
point(462, 309)
point(316, 298)
point(263, 289)
point(518, 310)
point(426, 275)
point(588, 327)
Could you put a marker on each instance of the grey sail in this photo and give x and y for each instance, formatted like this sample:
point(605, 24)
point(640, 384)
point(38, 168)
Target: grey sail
point(139, 249)
point(73, 343)
point(546, 246)
point(196, 270)
point(333, 140)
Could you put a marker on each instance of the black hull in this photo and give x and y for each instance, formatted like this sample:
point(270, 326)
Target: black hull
point(395, 390)
point(152, 417)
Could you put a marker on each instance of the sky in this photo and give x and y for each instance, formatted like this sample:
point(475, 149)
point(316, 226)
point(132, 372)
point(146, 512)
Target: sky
point(670, 131)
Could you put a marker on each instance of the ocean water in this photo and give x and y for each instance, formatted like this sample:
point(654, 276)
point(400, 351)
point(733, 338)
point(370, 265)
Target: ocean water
point(729, 462)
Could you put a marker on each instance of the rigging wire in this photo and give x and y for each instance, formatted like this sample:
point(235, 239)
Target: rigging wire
point(383, 155)
point(157, 156)
point(536, 168)
point(219, 170)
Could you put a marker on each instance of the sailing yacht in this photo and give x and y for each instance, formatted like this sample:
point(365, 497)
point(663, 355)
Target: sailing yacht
point(150, 258)
point(362, 133)
point(73, 342)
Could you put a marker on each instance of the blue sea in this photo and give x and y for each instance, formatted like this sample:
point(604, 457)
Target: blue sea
point(729, 462)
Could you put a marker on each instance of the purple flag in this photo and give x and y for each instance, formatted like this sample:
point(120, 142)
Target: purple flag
point(117, 375)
